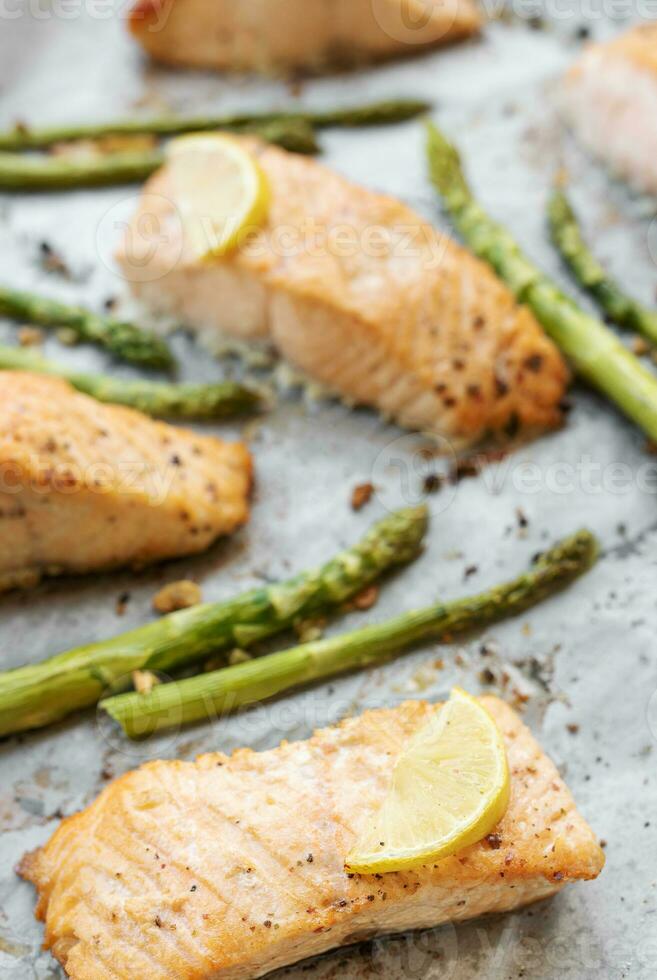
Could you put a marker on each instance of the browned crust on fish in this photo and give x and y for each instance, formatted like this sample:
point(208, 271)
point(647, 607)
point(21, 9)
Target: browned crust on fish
point(230, 867)
point(363, 295)
point(87, 486)
point(284, 35)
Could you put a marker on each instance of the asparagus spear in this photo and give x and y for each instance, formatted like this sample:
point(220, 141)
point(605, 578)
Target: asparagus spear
point(594, 351)
point(124, 340)
point(589, 273)
point(43, 173)
point(379, 113)
point(210, 695)
point(182, 401)
point(34, 696)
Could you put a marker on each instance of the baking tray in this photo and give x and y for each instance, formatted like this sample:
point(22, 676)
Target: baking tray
point(582, 664)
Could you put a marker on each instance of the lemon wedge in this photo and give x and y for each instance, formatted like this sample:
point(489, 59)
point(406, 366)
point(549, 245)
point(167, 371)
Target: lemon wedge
point(450, 787)
point(220, 191)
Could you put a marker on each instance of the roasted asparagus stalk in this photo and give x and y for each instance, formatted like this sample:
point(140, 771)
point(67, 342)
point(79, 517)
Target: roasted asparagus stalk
point(589, 273)
point(126, 341)
point(593, 350)
point(223, 399)
point(210, 695)
point(68, 171)
point(35, 696)
point(53, 173)
point(376, 114)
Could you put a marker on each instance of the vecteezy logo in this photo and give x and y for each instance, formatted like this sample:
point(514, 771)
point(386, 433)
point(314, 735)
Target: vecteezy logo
point(408, 470)
point(416, 22)
point(146, 232)
point(427, 955)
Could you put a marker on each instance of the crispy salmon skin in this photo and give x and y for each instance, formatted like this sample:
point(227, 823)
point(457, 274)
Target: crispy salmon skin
point(610, 99)
point(88, 486)
point(282, 35)
point(358, 292)
point(231, 867)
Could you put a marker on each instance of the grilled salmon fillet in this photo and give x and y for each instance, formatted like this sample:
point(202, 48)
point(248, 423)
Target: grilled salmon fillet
point(230, 867)
point(361, 294)
point(86, 486)
point(610, 98)
point(281, 35)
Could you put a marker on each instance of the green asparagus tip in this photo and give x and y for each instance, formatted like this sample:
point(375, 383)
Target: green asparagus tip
point(403, 530)
point(445, 167)
point(580, 551)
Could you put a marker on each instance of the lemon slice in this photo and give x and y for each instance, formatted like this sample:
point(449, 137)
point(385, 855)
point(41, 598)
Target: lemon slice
point(450, 787)
point(219, 189)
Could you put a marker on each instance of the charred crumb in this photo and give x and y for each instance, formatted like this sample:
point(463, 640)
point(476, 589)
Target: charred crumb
point(486, 676)
point(522, 519)
point(361, 495)
point(51, 260)
point(122, 603)
point(464, 469)
point(110, 304)
point(470, 571)
point(367, 598)
point(572, 728)
point(30, 336)
point(433, 482)
point(494, 841)
point(640, 346)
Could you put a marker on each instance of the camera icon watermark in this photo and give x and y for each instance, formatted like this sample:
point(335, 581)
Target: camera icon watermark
point(413, 467)
point(419, 22)
point(144, 232)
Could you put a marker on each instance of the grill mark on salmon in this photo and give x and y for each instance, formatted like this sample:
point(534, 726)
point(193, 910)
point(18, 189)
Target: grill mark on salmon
point(308, 799)
point(97, 486)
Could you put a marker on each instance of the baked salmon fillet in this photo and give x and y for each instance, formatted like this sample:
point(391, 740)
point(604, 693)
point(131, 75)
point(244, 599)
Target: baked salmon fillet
point(87, 486)
point(358, 292)
point(282, 35)
point(231, 867)
point(610, 99)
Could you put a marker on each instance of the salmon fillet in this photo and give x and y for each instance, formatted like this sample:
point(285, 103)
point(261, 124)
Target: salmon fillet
point(86, 486)
point(610, 99)
point(280, 35)
point(231, 867)
point(361, 294)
